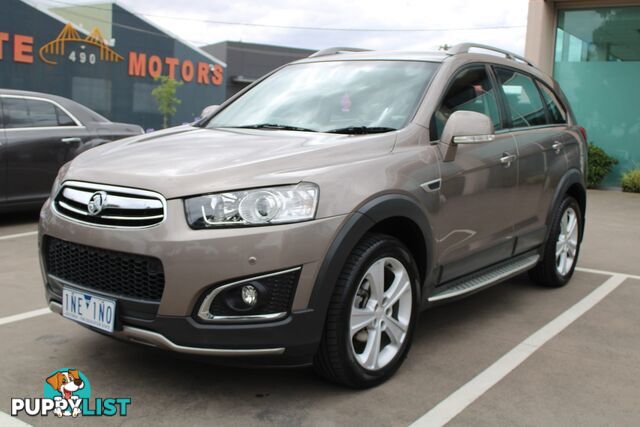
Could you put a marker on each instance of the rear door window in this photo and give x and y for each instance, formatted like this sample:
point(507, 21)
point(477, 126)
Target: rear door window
point(556, 111)
point(42, 113)
point(522, 99)
point(33, 113)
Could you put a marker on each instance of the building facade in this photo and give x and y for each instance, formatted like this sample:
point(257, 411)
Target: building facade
point(246, 62)
point(592, 48)
point(107, 58)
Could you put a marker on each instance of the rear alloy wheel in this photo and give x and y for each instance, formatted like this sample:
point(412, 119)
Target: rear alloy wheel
point(371, 315)
point(562, 248)
point(567, 243)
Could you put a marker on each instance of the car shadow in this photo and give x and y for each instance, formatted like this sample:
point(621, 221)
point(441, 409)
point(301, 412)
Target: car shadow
point(215, 378)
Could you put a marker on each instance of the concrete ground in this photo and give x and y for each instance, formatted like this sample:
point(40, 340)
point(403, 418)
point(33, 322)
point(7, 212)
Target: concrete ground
point(585, 374)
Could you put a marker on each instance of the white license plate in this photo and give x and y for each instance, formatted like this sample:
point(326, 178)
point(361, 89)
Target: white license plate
point(89, 309)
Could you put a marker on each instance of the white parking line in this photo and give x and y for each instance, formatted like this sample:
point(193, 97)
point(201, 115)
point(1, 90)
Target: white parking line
point(14, 236)
point(607, 273)
point(23, 316)
point(455, 403)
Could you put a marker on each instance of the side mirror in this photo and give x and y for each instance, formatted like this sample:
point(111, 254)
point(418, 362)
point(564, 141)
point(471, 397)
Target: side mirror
point(209, 110)
point(466, 127)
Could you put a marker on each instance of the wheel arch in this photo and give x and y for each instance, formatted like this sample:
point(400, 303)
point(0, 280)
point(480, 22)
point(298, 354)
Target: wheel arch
point(572, 183)
point(397, 215)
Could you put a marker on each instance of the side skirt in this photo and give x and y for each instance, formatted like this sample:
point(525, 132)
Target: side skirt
point(486, 277)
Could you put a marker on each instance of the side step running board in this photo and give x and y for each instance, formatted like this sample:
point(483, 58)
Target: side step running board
point(487, 277)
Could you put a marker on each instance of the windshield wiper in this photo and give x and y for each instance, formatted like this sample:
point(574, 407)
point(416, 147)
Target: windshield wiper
point(361, 130)
point(274, 126)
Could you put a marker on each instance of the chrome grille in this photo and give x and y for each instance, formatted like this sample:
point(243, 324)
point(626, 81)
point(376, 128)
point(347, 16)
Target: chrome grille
point(109, 206)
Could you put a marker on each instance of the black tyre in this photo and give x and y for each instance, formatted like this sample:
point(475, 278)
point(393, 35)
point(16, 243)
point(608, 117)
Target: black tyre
point(372, 314)
point(562, 247)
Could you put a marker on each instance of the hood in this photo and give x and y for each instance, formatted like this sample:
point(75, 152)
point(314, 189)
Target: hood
point(187, 160)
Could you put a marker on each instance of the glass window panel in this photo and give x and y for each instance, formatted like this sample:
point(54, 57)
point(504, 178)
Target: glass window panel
point(600, 79)
point(42, 113)
point(557, 112)
point(325, 96)
point(470, 91)
point(523, 99)
point(16, 113)
point(64, 119)
point(92, 93)
point(143, 101)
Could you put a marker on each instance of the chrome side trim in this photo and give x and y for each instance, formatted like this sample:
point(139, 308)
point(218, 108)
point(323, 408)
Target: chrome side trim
point(51, 101)
point(154, 339)
point(204, 313)
point(94, 187)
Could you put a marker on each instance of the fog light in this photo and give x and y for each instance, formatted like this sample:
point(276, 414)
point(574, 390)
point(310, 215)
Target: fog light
point(249, 295)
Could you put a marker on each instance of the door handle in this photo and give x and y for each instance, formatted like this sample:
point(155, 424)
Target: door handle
point(71, 140)
point(557, 146)
point(507, 159)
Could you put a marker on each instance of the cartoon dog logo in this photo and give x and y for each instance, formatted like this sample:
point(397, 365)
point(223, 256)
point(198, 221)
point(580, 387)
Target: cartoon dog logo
point(67, 383)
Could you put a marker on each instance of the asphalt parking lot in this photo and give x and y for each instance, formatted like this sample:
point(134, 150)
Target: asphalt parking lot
point(515, 354)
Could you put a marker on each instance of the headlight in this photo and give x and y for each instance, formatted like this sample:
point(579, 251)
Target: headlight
point(261, 206)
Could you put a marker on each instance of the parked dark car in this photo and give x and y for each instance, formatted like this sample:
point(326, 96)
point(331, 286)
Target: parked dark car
point(38, 134)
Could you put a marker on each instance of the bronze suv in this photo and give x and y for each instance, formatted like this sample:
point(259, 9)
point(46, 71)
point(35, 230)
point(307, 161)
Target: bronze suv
point(310, 218)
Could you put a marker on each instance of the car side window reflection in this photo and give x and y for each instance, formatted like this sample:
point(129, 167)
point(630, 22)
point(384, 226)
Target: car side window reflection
point(42, 114)
point(557, 112)
point(16, 113)
point(523, 99)
point(33, 113)
point(471, 90)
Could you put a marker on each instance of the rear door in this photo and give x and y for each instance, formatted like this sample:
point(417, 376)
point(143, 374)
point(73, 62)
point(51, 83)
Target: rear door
point(540, 140)
point(41, 137)
point(475, 226)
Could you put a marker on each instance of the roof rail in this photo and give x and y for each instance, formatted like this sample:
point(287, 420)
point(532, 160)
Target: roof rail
point(466, 47)
point(335, 50)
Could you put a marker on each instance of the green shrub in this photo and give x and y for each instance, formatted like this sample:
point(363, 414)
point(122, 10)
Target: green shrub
point(631, 181)
point(600, 164)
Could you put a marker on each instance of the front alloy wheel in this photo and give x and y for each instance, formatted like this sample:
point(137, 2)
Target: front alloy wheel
point(380, 313)
point(371, 314)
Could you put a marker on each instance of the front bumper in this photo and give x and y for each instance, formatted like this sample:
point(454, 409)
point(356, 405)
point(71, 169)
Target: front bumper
point(194, 262)
point(154, 339)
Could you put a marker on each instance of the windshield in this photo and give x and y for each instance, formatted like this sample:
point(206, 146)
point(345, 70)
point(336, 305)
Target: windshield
point(333, 96)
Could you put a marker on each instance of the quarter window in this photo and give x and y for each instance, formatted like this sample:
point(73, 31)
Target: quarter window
point(471, 90)
point(558, 114)
point(64, 119)
point(523, 99)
